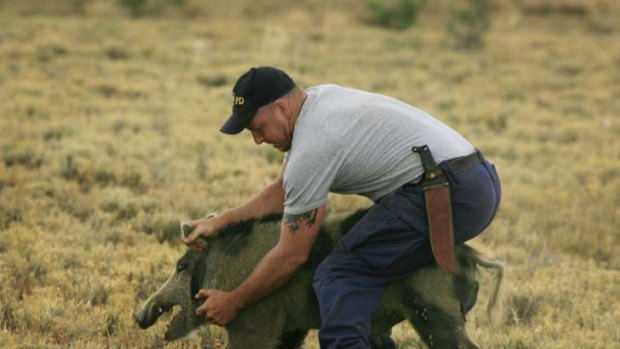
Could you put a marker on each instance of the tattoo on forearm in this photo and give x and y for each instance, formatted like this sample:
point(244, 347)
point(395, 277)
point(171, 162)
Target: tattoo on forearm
point(294, 221)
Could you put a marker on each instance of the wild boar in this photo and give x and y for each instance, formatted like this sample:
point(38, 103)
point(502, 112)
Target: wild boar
point(434, 301)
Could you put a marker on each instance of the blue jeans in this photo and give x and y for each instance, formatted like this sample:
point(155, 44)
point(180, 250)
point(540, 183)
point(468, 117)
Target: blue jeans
point(389, 243)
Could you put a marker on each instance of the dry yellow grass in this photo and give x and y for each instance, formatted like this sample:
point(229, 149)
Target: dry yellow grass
point(108, 137)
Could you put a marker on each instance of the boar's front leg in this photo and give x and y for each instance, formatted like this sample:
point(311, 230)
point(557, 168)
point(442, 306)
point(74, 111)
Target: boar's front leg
point(256, 327)
point(258, 338)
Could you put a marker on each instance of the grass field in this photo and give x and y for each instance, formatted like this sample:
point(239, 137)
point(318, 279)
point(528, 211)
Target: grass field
point(109, 137)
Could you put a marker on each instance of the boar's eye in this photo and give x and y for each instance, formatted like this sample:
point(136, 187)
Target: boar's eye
point(181, 266)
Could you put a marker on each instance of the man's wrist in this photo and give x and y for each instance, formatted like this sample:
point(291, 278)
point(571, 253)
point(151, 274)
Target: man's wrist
point(238, 299)
point(217, 222)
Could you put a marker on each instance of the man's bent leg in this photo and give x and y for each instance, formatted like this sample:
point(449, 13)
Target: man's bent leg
point(351, 281)
point(348, 295)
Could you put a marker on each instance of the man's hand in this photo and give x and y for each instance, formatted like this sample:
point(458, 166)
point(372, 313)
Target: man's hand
point(203, 227)
point(220, 307)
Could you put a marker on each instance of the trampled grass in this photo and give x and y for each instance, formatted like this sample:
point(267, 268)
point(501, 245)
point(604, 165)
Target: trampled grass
point(108, 137)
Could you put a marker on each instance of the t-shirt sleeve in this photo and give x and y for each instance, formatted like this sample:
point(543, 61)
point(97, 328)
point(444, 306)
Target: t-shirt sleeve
point(308, 178)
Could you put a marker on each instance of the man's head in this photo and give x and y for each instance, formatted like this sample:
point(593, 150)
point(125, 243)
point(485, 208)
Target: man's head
point(254, 89)
point(266, 102)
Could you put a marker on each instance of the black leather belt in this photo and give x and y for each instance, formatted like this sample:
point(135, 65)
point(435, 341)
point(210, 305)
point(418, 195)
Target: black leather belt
point(466, 162)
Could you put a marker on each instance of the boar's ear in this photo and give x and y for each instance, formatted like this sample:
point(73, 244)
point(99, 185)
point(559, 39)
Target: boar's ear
point(186, 228)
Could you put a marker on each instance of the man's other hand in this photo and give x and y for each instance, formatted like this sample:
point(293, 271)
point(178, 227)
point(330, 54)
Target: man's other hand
point(220, 307)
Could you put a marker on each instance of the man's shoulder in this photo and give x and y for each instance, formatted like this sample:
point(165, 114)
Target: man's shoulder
point(322, 87)
point(330, 88)
point(329, 107)
point(314, 150)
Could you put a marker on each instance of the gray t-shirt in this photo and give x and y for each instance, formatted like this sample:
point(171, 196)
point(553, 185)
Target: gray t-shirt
point(354, 142)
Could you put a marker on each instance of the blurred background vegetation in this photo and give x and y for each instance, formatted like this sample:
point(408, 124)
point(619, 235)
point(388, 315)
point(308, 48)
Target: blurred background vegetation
point(109, 111)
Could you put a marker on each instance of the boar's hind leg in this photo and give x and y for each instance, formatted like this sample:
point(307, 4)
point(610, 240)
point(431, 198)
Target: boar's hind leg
point(292, 339)
point(466, 280)
point(437, 326)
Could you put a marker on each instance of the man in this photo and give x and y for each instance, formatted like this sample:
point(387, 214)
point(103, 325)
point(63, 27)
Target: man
point(349, 141)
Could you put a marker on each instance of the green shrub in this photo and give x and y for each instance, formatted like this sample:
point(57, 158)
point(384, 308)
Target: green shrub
point(395, 14)
point(79, 6)
point(47, 52)
point(136, 8)
point(469, 23)
point(141, 8)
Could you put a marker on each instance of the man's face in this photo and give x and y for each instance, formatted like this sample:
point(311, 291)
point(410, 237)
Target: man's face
point(271, 125)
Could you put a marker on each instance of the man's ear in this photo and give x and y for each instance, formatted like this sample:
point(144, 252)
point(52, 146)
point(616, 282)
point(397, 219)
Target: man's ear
point(282, 105)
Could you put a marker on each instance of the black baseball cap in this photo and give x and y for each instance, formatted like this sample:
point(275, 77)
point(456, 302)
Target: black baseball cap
point(254, 89)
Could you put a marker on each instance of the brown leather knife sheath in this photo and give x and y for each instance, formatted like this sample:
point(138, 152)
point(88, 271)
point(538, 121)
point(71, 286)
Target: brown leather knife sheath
point(439, 212)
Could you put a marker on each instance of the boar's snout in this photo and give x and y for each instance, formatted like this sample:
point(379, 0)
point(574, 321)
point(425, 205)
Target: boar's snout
point(147, 316)
point(140, 318)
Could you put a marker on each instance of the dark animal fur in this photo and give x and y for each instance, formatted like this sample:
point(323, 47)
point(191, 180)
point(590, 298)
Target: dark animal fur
point(433, 301)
